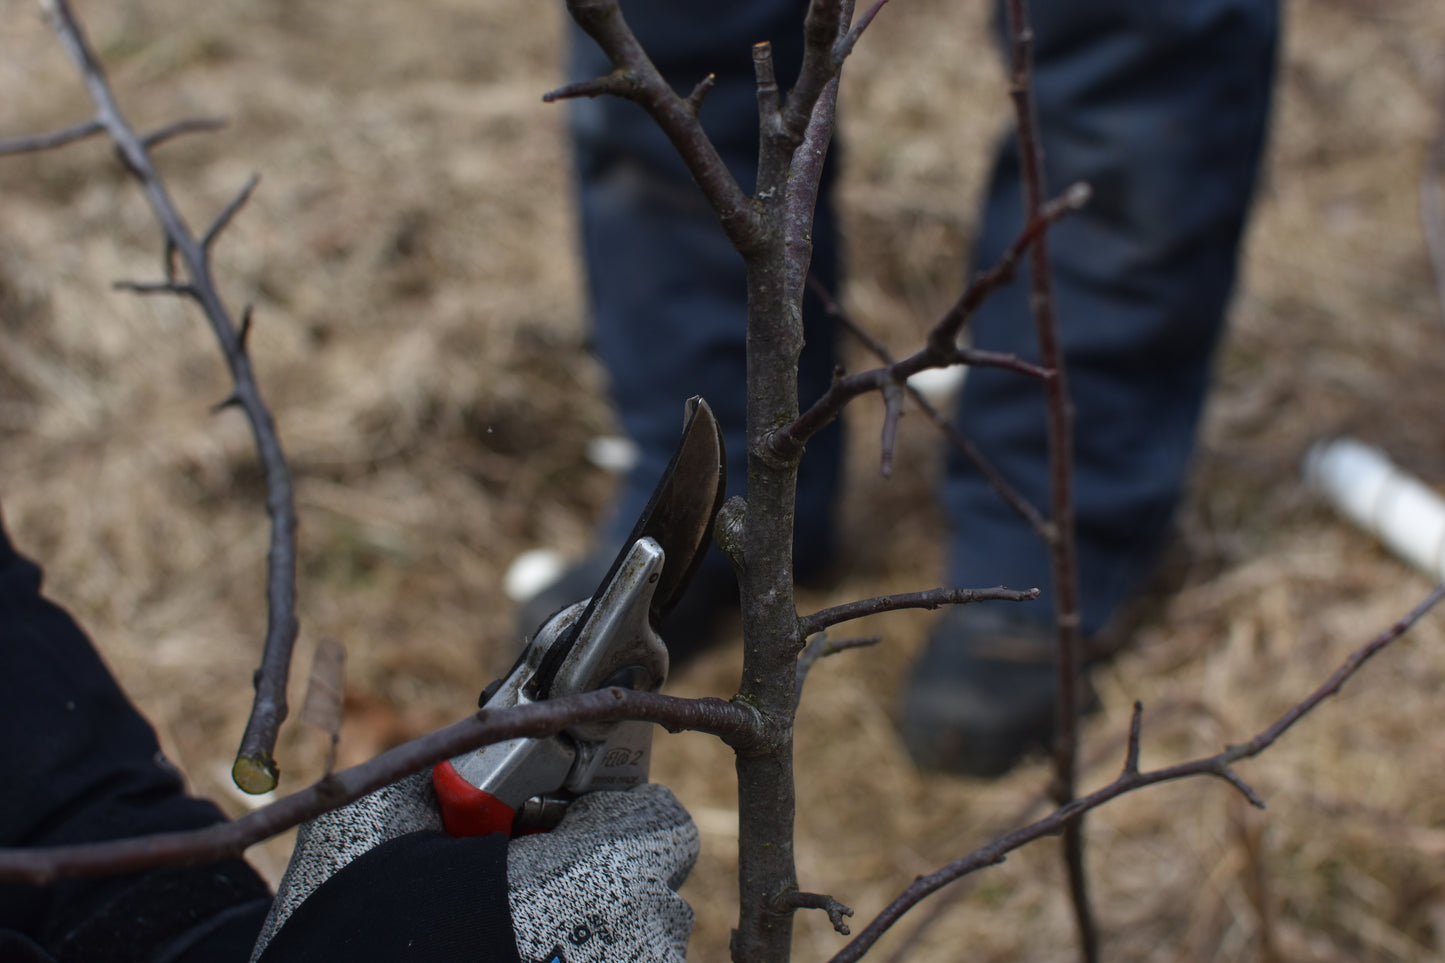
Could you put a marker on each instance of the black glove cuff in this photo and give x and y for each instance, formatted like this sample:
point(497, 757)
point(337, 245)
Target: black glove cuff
point(423, 896)
point(165, 913)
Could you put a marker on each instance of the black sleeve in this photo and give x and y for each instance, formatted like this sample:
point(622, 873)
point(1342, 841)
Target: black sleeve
point(81, 765)
point(423, 897)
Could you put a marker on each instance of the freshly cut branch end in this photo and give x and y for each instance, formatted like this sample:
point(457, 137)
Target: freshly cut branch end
point(255, 775)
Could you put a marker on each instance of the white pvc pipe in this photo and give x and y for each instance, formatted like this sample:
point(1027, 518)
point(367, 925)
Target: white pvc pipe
point(1367, 488)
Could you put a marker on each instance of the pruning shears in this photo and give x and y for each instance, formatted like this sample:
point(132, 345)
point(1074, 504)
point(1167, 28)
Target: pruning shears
point(610, 639)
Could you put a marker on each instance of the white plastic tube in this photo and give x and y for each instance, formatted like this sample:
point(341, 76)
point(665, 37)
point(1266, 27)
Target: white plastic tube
point(1367, 488)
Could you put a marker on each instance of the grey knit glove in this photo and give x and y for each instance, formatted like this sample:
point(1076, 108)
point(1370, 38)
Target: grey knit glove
point(335, 838)
point(602, 885)
point(598, 887)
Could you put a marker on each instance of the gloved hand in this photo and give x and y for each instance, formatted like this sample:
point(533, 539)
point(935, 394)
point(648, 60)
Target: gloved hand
point(601, 886)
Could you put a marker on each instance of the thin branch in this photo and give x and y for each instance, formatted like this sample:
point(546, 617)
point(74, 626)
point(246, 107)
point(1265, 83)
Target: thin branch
point(946, 332)
point(1007, 492)
point(978, 358)
point(602, 20)
point(255, 768)
point(93, 126)
point(243, 333)
point(892, 414)
point(734, 723)
point(1130, 779)
point(796, 900)
point(699, 93)
point(1245, 789)
point(822, 27)
point(615, 84)
point(805, 175)
point(229, 212)
point(195, 125)
point(56, 138)
point(765, 83)
point(156, 287)
point(1341, 675)
point(942, 904)
point(788, 441)
point(1063, 552)
point(850, 39)
point(820, 648)
point(1131, 751)
point(930, 599)
point(941, 350)
point(1073, 852)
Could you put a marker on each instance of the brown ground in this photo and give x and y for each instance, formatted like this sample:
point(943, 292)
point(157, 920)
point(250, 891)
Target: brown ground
point(420, 337)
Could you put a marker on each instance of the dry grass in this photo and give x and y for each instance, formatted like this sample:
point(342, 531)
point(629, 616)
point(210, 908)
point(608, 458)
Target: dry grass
point(421, 337)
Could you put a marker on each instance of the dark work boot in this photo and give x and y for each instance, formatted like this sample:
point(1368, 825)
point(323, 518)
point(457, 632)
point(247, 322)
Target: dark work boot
point(981, 696)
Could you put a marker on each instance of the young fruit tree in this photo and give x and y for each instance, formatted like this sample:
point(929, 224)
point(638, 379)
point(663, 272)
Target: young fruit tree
point(770, 224)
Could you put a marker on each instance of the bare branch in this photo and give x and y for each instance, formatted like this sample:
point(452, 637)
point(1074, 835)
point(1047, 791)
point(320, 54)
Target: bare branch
point(1131, 752)
point(55, 138)
point(699, 93)
point(820, 648)
point(1336, 681)
point(850, 39)
point(1063, 551)
point(1129, 780)
point(822, 26)
point(255, 769)
point(602, 21)
point(976, 358)
point(734, 723)
point(765, 79)
point(615, 84)
point(195, 125)
point(931, 599)
point(243, 333)
point(1245, 789)
point(229, 212)
point(892, 414)
point(946, 332)
point(796, 900)
point(787, 442)
point(792, 150)
point(941, 351)
point(156, 287)
point(955, 437)
point(805, 175)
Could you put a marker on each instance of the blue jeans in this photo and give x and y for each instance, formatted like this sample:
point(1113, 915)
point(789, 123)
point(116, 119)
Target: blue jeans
point(1160, 105)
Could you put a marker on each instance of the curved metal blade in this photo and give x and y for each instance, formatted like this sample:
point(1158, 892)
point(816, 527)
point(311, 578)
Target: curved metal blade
point(678, 516)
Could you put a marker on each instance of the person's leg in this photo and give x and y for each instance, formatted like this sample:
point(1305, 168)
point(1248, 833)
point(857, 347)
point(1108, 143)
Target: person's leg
point(1161, 108)
point(668, 293)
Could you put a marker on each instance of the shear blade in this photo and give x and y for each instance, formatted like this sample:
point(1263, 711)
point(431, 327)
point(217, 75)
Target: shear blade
point(679, 517)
